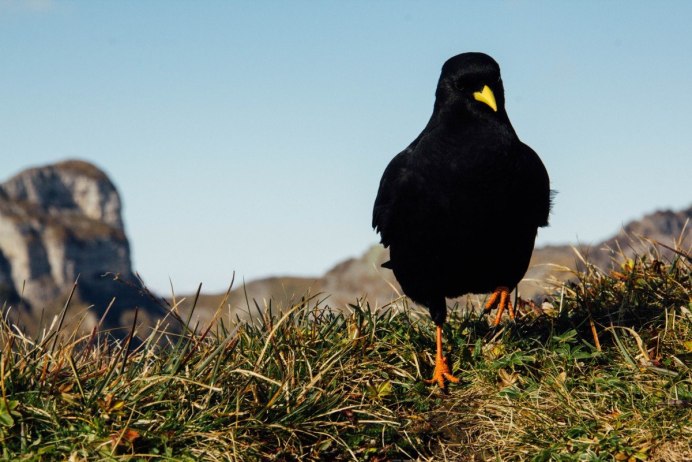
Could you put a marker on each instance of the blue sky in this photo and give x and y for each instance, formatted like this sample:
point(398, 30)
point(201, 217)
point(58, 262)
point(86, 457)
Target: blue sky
point(251, 136)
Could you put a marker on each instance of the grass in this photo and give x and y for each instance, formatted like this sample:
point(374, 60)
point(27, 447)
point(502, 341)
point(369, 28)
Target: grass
point(599, 372)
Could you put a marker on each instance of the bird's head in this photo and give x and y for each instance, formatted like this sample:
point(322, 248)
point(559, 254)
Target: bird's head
point(470, 87)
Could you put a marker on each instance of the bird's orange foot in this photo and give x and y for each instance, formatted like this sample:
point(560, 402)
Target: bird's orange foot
point(442, 372)
point(500, 300)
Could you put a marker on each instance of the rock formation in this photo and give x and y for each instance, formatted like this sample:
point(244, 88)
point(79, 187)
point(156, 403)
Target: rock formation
point(62, 223)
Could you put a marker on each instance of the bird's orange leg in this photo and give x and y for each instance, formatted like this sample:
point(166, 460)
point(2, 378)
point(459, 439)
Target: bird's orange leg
point(442, 371)
point(500, 300)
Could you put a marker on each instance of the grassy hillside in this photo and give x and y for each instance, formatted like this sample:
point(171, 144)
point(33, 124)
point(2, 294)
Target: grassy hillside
point(600, 373)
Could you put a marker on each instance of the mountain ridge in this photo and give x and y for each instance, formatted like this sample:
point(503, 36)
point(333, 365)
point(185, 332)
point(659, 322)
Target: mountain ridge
point(551, 265)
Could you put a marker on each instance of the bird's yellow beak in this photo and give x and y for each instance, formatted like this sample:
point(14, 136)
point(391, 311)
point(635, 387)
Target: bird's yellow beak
point(486, 96)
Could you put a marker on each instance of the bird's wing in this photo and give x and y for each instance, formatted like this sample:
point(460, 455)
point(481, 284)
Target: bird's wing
point(535, 186)
point(391, 184)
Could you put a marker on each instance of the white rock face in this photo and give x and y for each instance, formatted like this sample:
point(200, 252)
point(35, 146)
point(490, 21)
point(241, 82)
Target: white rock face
point(68, 186)
point(58, 223)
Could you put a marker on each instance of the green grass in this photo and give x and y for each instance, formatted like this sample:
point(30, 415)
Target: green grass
point(307, 383)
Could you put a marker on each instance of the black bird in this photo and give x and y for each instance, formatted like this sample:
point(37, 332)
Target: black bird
point(459, 208)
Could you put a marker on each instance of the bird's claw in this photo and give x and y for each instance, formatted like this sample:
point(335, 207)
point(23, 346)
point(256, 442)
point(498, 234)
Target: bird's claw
point(442, 372)
point(500, 300)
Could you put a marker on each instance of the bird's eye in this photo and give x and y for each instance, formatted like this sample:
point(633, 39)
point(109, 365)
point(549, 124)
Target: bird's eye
point(458, 84)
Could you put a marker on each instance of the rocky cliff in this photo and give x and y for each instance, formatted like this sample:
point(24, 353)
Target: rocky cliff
point(62, 223)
